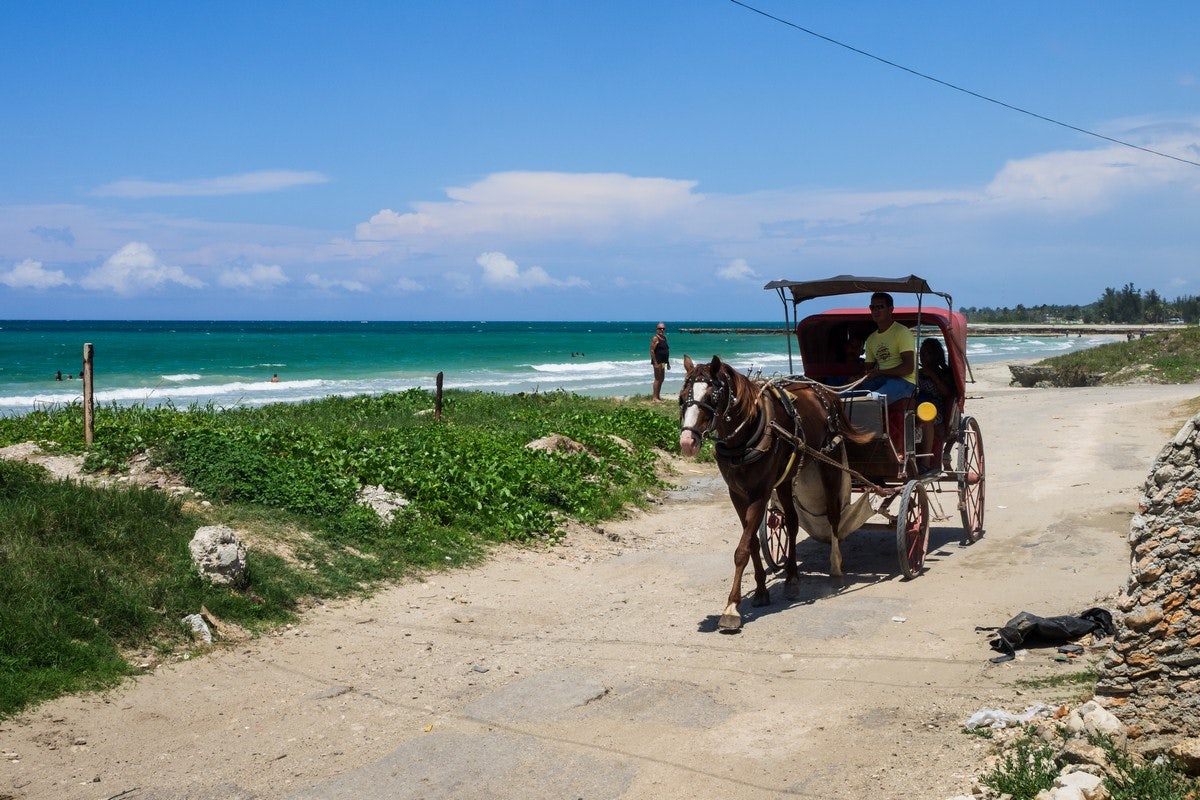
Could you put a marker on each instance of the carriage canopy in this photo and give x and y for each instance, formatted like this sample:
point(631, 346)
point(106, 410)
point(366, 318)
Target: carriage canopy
point(852, 284)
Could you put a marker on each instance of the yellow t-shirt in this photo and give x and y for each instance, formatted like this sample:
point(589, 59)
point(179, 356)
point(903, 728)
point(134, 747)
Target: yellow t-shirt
point(884, 349)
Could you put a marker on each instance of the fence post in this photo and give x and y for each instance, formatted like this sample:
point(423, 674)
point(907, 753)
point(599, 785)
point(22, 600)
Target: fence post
point(89, 433)
point(437, 399)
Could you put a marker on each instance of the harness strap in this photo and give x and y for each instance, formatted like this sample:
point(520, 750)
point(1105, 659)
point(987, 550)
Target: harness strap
point(761, 439)
point(787, 468)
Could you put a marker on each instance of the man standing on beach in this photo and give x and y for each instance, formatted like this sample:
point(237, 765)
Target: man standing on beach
point(660, 359)
point(891, 353)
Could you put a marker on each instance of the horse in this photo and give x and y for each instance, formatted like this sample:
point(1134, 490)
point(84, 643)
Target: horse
point(764, 435)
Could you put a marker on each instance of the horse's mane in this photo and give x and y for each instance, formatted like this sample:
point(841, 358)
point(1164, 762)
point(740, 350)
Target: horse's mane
point(744, 392)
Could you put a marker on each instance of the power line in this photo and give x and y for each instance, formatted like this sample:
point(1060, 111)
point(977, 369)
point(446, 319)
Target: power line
point(957, 88)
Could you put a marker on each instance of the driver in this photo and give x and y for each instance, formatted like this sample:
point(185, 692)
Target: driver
point(891, 354)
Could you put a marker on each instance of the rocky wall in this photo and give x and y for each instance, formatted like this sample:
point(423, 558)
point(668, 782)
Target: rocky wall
point(1150, 677)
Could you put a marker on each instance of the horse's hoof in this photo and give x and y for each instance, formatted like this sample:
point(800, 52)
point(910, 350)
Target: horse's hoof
point(730, 622)
point(761, 600)
point(791, 590)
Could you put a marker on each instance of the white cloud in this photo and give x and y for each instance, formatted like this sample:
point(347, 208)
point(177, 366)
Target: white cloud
point(544, 204)
point(258, 276)
point(1114, 209)
point(738, 270)
point(502, 272)
point(313, 279)
point(133, 268)
point(30, 274)
point(1090, 181)
point(245, 183)
point(408, 285)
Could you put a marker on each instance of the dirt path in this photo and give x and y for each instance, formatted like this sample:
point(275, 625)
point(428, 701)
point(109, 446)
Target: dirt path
point(593, 670)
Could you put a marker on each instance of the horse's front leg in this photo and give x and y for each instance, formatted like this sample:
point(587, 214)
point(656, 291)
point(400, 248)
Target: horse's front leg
point(751, 514)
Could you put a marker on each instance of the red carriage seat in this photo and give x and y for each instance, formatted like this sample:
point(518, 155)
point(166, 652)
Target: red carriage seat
point(896, 413)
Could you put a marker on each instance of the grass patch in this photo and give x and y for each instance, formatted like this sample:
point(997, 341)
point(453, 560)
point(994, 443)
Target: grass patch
point(1078, 685)
point(1137, 779)
point(88, 573)
point(1026, 768)
point(1162, 357)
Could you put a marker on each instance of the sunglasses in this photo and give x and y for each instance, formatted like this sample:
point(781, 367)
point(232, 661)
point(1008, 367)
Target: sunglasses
point(876, 306)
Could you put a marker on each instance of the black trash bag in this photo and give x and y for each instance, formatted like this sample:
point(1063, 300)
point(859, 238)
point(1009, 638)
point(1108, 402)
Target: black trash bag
point(1030, 630)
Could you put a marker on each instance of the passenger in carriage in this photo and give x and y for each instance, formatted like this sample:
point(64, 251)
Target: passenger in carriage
point(849, 355)
point(934, 382)
point(852, 354)
point(891, 358)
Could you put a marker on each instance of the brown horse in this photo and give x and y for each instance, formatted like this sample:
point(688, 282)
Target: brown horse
point(763, 435)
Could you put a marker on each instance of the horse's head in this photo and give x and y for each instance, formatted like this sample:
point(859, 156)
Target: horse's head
point(707, 393)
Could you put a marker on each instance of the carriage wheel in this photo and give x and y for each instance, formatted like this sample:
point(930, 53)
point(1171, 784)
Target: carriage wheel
point(772, 535)
point(970, 479)
point(912, 528)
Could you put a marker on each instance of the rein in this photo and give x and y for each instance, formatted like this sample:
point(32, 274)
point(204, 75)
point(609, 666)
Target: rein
point(823, 455)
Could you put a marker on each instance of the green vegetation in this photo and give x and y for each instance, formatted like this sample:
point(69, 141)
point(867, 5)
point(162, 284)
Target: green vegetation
point(1127, 305)
point(1029, 765)
point(91, 574)
point(1025, 768)
point(1134, 779)
point(1084, 680)
point(1171, 356)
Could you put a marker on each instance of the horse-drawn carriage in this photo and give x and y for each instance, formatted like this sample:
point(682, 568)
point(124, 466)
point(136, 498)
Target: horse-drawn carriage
point(813, 450)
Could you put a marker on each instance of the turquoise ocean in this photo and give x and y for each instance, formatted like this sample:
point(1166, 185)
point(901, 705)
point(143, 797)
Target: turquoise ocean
point(232, 363)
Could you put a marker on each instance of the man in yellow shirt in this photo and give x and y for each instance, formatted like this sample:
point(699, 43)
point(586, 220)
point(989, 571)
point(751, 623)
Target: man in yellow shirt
point(891, 354)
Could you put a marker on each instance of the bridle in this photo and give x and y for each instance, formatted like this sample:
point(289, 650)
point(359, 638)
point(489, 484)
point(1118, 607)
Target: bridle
point(717, 401)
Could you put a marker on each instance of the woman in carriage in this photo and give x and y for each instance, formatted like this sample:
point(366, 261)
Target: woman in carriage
point(934, 382)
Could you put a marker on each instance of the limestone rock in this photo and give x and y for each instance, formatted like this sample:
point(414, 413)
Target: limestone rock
point(381, 501)
point(219, 555)
point(1186, 753)
point(555, 443)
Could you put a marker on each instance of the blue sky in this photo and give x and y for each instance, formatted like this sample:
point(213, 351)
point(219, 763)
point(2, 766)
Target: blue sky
point(553, 159)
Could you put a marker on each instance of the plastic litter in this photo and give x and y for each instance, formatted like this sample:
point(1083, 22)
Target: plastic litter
point(996, 718)
point(1031, 630)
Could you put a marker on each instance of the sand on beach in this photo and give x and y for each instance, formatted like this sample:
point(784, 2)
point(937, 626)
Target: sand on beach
point(593, 669)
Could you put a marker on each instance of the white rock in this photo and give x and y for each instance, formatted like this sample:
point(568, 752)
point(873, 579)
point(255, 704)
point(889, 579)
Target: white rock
point(1097, 719)
point(1075, 786)
point(219, 555)
point(198, 627)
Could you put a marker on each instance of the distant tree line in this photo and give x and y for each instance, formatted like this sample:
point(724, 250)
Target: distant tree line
point(1126, 306)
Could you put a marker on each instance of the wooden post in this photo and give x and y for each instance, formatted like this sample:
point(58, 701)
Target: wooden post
point(89, 433)
point(437, 399)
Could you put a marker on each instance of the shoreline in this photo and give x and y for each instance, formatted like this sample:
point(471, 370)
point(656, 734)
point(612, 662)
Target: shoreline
point(991, 329)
